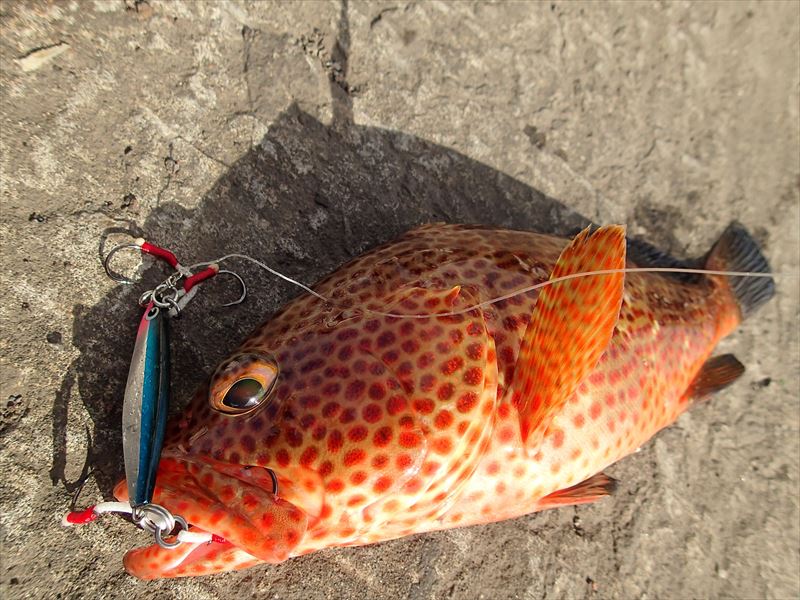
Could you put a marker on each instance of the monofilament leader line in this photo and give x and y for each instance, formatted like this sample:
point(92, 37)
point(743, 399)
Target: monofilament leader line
point(485, 303)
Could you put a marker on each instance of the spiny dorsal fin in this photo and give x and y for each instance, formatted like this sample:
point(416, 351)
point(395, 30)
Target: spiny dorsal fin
point(570, 328)
point(717, 373)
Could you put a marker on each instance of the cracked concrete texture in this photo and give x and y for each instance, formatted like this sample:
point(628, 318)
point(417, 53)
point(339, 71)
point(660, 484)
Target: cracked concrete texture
point(304, 134)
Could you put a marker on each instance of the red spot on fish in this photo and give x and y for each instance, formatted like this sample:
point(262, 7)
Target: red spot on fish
point(506, 434)
point(474, 329)
point(424, 405)
point(282, 456)
point(413, 485)
point(355, 389)
point(475, 351)
point(409, 439)
point(377, 391)
point(334, 486)
point(331, 409)
point(357, 434)
point(442, 445)
point(382, 437)
point(558, 438)
point(335, 440)
point(595, 409)
point(578, 421)
point(372, 413)
point(430, 468)
point(597, 378)
point(452, 365)
point(467, 402)
point(347, 416)
point(379, 461)
point(325, 469)
point(425, 360)
point(445, 391)
point(356, 500)
point(309, 456)
point(382, 484)
point(386, 339)
point(410, 346)
point(293, 437)
point(444, 419)
point(358, 477)
point(331, 389)
point(403, 461)
point(473, 376)
point(396, 404)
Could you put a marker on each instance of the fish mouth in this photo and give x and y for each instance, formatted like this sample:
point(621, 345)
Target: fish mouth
point(236, 504)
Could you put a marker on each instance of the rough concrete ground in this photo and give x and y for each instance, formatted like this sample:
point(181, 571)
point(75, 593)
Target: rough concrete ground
point(304, 134)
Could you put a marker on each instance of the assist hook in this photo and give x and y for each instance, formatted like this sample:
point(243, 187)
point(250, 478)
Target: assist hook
point(167, 294)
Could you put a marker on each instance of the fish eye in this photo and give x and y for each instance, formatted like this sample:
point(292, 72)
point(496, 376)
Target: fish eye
point(243, 383)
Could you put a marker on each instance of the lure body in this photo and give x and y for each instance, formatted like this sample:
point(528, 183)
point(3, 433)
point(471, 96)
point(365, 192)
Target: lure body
point(384, 426)
point(146, 403)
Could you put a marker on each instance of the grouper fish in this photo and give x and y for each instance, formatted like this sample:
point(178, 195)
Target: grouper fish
point(404, 398)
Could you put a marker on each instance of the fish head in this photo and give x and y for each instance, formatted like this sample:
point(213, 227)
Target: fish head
point(293, 408)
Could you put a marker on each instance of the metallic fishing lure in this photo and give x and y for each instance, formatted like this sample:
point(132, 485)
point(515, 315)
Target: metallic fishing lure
point(147, 394)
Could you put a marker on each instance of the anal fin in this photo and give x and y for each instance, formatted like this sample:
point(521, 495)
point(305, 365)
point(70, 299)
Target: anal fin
point(596, 487)
point(717, 373)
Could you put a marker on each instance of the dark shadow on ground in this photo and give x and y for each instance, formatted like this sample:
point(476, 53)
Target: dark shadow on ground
point(306, 199)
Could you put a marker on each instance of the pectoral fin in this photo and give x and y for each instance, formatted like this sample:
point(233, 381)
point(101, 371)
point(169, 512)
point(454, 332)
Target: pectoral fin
point(570, 328)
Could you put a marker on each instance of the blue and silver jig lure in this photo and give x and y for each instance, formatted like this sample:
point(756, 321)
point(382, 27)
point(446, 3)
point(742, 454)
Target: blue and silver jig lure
point(147, 396)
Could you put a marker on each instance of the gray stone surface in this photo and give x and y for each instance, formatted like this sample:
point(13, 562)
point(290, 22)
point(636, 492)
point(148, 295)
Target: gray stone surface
point(304, 136)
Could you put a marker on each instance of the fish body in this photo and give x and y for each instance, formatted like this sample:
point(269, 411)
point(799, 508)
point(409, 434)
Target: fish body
point(379, 424)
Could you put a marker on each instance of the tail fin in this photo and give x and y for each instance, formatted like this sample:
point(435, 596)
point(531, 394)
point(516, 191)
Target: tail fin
point(736, 250)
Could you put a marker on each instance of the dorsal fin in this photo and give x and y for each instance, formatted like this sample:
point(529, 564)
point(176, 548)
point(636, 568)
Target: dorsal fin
point(645, 254)
point(570, 328)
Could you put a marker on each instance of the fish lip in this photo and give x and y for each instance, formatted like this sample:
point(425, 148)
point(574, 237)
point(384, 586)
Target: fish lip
point(253, 475)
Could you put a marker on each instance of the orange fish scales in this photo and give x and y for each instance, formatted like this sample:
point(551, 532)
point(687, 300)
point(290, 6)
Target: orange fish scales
point(381, 426)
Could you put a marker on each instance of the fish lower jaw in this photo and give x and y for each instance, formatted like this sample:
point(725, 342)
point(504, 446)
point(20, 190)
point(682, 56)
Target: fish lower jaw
point(188, 559)
point(236, 504)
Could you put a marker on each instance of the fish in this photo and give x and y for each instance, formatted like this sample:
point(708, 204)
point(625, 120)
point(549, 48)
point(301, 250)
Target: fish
point(426, 386)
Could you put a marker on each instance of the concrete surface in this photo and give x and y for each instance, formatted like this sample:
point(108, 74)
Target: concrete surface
point(303, 134)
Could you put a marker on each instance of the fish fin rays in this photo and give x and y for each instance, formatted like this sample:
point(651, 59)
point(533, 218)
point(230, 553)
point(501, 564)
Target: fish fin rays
point(571, 326)
point(717, 373)
point(596, 487)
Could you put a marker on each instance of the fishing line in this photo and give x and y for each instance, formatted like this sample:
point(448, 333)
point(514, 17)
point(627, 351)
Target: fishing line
point(263, 266)
point(497, 299)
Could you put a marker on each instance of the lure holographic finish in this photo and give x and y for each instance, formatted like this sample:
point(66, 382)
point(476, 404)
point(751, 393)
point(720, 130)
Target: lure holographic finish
point(144, 413)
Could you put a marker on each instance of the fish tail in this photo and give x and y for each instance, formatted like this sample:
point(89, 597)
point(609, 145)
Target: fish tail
point(736, 250)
